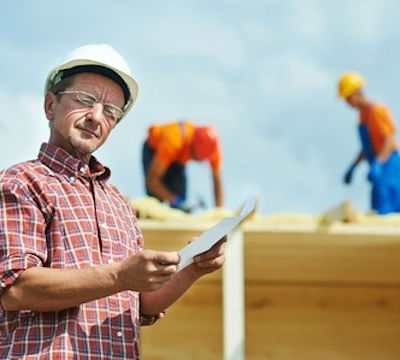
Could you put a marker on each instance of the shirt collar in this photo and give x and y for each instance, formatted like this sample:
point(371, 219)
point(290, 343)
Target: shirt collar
point(60, 161)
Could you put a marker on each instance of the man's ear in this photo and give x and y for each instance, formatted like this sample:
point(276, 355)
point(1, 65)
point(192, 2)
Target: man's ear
point(49, 105)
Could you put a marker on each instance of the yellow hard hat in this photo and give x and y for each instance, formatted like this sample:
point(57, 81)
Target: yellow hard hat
point(349, 82)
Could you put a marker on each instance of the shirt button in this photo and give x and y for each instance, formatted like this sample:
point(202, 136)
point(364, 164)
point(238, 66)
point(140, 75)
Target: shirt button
point(119, 333)
point(103, 225)
point(110, 261)
point(82, 170)
point(72, 179)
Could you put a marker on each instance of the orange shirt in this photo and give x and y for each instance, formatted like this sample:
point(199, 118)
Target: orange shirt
point(377, 119)
point(171, 143)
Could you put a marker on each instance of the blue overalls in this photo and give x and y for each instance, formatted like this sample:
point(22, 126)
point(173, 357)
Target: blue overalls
point(385, 192)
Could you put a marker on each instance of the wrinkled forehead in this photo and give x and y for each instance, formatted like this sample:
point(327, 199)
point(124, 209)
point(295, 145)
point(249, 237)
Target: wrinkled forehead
point(100, 86)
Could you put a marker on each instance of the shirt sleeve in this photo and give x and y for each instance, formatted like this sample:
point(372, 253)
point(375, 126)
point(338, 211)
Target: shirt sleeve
point(383, 123)
point(22, 234)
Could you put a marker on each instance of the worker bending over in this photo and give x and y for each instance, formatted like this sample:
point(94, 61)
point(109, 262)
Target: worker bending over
point(378, 145)
point(166, 151)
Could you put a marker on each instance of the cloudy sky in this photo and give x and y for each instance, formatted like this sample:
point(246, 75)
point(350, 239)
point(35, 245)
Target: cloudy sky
point(262, 72)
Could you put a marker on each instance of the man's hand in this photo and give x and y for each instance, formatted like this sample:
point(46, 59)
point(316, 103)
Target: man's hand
point(148, 270)
point(348, 176)
point(179, 203)
point(153, 302)
point(210, 260)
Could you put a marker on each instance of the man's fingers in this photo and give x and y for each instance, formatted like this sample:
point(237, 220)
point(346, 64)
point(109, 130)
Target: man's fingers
point(161, 262)
point(165, 269)
point(214, 262)
point(167, 258)
point(216, 250)
point(161, 257)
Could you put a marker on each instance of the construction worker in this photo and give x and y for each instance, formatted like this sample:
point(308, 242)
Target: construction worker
point(166, 151)
point(75, 279)
point(378, 145)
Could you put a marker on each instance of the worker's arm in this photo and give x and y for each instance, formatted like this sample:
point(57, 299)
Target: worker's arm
point(387, 147)
point(359, 158)
point(154, 175)
point(349, 172)
point(217, 184)
point(154, 302)
point(49, 289)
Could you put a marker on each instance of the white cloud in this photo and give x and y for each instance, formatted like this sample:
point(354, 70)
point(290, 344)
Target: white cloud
point(190, 35)
point(305, 18)
point(293, 73)
point(23, 127)
point(258, 35)
point(370, 19)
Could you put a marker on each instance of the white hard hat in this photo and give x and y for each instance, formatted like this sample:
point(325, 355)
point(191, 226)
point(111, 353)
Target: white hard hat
point(100, 58)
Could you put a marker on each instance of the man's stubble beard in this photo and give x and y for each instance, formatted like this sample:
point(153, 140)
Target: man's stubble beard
point(77, 146)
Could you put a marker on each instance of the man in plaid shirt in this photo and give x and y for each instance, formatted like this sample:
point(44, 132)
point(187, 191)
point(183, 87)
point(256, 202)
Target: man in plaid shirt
point(75, 282)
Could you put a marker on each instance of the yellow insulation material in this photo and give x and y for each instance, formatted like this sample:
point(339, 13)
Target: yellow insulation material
point(151, 208)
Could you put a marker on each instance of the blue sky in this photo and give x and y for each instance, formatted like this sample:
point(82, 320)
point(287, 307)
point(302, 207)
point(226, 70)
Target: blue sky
point(262, 72)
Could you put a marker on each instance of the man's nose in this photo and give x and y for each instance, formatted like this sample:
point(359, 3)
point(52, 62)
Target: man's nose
point(96, 112)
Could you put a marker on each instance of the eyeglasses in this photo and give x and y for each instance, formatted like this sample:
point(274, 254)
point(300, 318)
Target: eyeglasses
point(111, 112)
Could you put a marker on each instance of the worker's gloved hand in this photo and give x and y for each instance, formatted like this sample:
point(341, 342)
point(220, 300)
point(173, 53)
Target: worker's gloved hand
point(179, 203)
point(348, 176)
point(375, 171)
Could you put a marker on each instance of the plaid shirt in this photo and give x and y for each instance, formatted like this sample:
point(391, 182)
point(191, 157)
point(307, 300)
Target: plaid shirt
point(61, 213)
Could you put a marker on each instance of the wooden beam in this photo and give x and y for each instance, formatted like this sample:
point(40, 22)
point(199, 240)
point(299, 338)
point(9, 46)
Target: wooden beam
point(233, 298)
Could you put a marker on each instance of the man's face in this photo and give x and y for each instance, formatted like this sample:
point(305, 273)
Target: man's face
point(354, 100)
point(77, 128)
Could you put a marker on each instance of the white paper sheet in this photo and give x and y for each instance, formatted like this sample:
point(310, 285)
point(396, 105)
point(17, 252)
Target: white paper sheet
point(211, 236)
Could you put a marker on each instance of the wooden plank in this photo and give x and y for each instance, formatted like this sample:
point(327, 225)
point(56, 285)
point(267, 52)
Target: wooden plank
point(321, 322)
point(282, 256)
point(192, 328)
point(283, 322)
point(167, 239)
point(310, 294)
